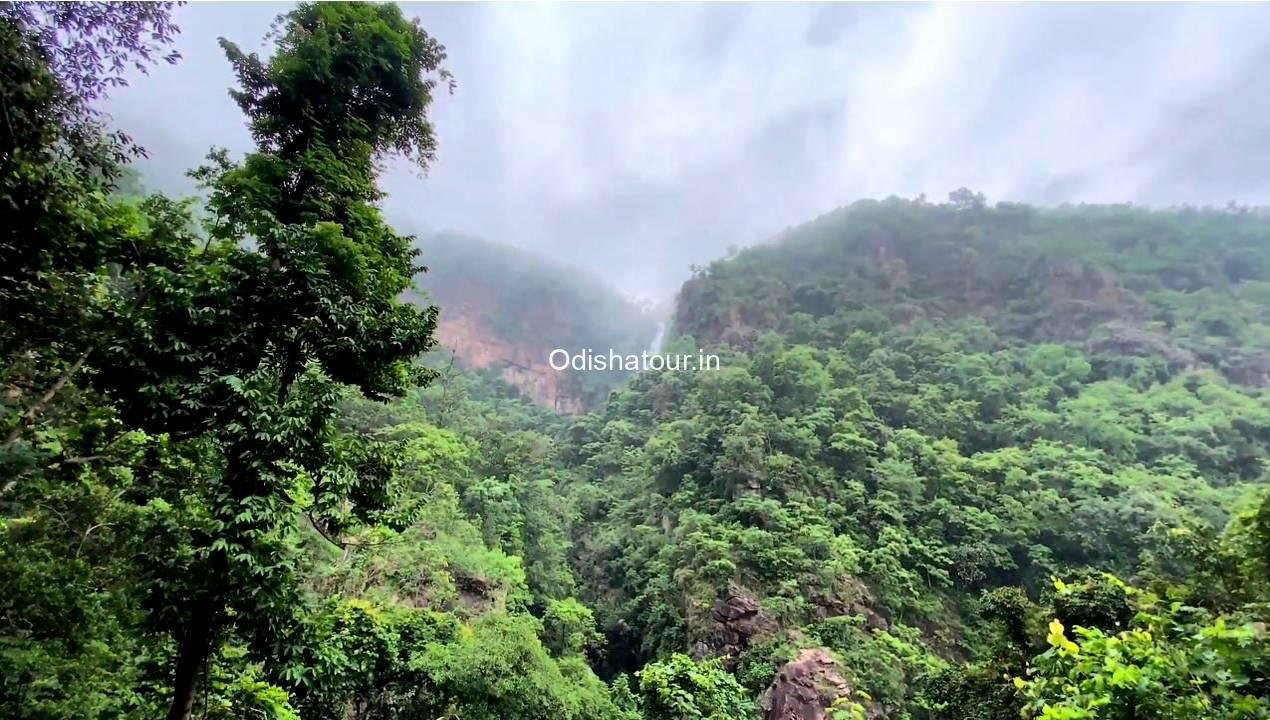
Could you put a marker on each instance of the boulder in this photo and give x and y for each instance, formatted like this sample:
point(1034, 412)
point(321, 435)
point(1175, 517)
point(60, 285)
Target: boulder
point(805, 688)
point(736, 622)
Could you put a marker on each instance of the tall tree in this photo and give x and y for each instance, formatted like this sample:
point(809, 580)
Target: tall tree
point(65, 607)
point(58, 160)
point(240, 350)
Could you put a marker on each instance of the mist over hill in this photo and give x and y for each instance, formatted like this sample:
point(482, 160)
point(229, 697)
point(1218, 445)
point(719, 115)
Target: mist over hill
point(506, 309)
point(637, 140)
point(1186, 288)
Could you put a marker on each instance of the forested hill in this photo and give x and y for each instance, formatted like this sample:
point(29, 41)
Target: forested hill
point(1179, 289)
point(958, 462)
point(504, 310)
point(937, 429)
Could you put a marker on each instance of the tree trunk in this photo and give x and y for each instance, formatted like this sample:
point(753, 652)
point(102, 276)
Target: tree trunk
point(191, 655)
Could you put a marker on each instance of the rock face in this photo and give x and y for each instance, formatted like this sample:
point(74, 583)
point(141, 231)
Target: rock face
point(1124, 338)
point(1251, 369)
point(853, 598)
point(805, 688)
point(477, 346)
point(504, 310)
point(476, 594)
point(735, 623)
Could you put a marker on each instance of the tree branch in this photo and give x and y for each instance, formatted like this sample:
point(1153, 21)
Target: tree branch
point(32, 412)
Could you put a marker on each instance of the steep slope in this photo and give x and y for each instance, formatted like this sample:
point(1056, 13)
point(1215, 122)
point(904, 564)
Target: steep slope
point(926, 412)
point(505, 310)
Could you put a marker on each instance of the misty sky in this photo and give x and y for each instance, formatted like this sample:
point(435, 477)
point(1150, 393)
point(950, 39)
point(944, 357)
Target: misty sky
point(635, 140)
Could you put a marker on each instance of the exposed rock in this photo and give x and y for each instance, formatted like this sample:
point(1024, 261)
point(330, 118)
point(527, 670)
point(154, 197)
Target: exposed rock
point(805, 688)
point(736, 332)
point(735, 623)
point(873, 620)
point(854, 599)
point(477, 346)
point(1251, 369)
point(505, 310)
point(1064, 300)
point(1122, 338)
point(476, 594)
point(1066, 278)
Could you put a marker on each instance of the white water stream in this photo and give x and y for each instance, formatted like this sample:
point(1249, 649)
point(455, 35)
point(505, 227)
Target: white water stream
point(655, 346)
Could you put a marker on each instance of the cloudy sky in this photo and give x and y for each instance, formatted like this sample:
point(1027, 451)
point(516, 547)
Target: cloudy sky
point(634, 140)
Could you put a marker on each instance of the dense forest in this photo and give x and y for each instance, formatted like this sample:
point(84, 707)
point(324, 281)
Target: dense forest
point(962, 461)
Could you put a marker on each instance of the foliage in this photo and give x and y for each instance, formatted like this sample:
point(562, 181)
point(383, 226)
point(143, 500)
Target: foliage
point(1163, 667)
point(680, 689)
point(1144, 289)
point(234, 481)
point(218, 360)
point(569, 627)
point(906, 443)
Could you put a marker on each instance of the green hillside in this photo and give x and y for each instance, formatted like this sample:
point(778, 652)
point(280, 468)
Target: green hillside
point(959, 462)
point(924, 412)
point(1185, 287)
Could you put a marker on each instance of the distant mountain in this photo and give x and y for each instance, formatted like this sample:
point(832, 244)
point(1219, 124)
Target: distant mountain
point(1184, 287)
point(505, 310)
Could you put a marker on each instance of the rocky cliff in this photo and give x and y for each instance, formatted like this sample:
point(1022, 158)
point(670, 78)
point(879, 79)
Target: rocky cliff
point(478, 345)
point(809, 687)
point(506, 310)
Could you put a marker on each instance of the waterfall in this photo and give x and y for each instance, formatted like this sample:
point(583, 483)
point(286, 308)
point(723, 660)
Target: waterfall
point(655, 346)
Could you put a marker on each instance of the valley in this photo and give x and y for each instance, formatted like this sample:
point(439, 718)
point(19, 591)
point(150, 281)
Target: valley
point(268, 456)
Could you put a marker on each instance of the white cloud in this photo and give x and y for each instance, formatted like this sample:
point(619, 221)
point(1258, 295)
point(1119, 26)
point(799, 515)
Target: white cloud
point(636, 139)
